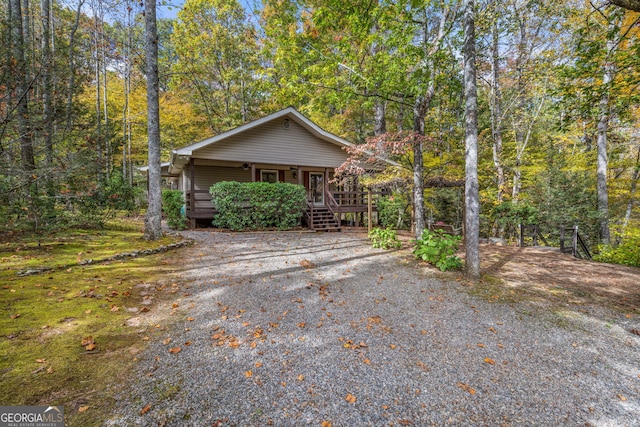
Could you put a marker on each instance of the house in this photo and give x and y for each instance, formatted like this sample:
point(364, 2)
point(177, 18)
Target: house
point(282, 147)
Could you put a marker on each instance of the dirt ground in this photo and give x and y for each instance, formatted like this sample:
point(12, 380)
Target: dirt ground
point(542, 272)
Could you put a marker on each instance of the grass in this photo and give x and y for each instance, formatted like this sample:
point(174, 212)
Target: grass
point(44, 317)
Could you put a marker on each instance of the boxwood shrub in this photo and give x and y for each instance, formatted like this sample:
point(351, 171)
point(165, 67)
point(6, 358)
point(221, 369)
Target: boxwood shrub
point(257, 205)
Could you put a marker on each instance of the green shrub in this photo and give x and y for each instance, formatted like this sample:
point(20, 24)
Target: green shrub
point(393, 212)
point(438, 248)
point(385, 238)
point(510, 215)
point(172, 205)
point(120, 195)
point(626, 253)
point(258, 205)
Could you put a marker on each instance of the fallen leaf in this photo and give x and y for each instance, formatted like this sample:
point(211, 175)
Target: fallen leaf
point(114, 308)
point(300, 377)
point(245, 324)
point(489, 361)
point(190, 319)
point(188, 343)
point(621, 397)
point(50, 370)
point(86, 341)
point(350, 398)
point(480, 345)
point(175, 350)
point(258, 364)
point(325, 424)
point(90, 347)
point(15, 316)
point(248, 374)
point(145, 409)
point(175, 305)
point(41, 360)
point(83, 409)
point(166, 341)
point(307, 264)
point(393, 346)
point(466, 388)
point(366, 362)
point(87, 312)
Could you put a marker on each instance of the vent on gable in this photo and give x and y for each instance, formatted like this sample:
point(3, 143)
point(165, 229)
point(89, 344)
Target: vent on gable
point(286, 124)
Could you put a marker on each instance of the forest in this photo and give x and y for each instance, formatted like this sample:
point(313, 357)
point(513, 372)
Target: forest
point(558, 102)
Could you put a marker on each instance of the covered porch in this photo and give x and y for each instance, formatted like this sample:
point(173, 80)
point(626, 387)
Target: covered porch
point(328, 205)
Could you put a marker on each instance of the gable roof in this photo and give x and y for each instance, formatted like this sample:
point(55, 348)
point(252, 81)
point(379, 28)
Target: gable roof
point(180, 156)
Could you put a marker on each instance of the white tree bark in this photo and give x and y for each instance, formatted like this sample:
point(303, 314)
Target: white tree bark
point(153, 226)
point(603, 161)
point(472, 200)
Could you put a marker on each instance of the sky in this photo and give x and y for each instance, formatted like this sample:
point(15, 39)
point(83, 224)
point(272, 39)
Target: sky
point(169, 8)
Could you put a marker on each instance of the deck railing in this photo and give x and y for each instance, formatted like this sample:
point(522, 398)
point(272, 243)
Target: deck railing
point(198, 205)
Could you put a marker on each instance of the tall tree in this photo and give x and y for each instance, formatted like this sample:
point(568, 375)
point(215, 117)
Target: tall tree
point(153, 219)
point(217, 62)
point(20, 91)
point(472, 199)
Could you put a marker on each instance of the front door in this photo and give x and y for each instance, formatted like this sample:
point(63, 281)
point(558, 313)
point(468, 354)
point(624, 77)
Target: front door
point(316, 187)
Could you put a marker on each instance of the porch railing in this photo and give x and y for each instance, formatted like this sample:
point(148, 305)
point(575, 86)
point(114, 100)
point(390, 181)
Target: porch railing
point(198, 205)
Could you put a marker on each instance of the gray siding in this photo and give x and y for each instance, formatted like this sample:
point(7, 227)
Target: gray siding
point(270, 143)
point(206, 176)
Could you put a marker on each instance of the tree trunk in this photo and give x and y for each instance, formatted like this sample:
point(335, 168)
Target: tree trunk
point(380, 123)
point(47, 91)
point(602, 163)
point(419, 110)
point(72, 66)
point(153, 225)
point(472, 200)
point(496, 111)
point(21, 90)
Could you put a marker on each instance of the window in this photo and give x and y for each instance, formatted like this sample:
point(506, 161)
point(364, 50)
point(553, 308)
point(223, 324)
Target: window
point(269, 176)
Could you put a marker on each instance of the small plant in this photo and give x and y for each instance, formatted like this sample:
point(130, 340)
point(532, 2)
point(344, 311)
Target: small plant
point(385, 238)
point(438, 248)
point(172, 205)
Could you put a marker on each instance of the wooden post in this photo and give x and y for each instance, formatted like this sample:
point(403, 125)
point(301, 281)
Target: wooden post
point(574, 242)
point(253, 172)
point(369, 210)
point(535, 235)
point(562, 238)
point(521, 235)
point(192, 194)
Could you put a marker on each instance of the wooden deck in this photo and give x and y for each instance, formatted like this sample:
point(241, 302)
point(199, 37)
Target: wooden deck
point(200, 207)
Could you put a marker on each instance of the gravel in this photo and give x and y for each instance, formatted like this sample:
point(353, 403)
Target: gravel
point(292, 329)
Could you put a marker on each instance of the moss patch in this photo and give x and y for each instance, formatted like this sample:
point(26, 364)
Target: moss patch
point(44, 317)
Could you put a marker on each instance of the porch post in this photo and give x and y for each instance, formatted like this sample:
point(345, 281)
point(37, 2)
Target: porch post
point(253, 172)
point(369, 210)
point(192, 193)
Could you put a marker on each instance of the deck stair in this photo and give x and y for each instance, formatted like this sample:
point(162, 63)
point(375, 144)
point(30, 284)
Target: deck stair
point(321, 218)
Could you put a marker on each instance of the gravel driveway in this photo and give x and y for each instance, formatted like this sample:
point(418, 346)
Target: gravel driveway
point(293, 329)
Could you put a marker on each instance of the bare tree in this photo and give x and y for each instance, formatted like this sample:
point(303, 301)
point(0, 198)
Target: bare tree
point(153, 226)
point(472, 200)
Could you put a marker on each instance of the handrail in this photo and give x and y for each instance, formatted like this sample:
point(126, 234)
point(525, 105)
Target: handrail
point(332, 205)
